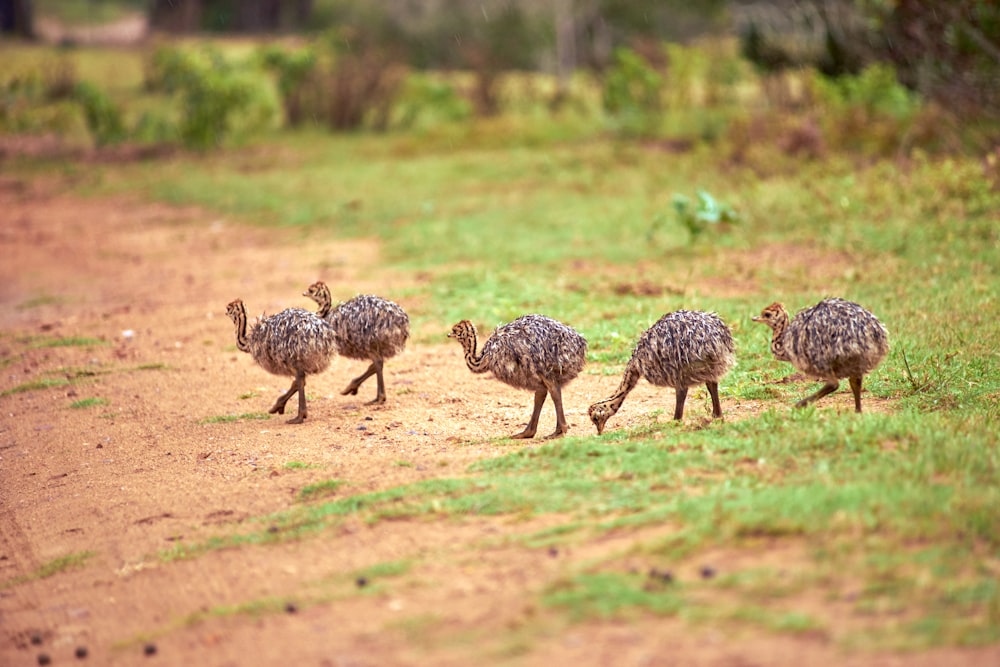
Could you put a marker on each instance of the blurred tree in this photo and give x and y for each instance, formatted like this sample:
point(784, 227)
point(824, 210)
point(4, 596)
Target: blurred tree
point(949, 51)
point(175, 15)
point(16, 17)
point(252, 16)
point(831, 35)
point(603, 25)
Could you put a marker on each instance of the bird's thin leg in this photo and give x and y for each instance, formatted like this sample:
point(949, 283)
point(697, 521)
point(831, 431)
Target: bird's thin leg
point(380, 392)
point(561, 426)
point(529, 431)
point(301, 417)
point(279, 405)
point(827, 388)
point(856, 388)
point(352, 388)
point(679, 406)
point(713, 390)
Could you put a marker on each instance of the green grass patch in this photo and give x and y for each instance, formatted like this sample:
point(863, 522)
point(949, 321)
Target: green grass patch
point(88, 402)
point(322, 489)
point(154, 366)
point(70, 341)
point(384, 570)
point(35, 302)
point(246, 416)
point(35, 385)
point(299, 465)
point(53, 567)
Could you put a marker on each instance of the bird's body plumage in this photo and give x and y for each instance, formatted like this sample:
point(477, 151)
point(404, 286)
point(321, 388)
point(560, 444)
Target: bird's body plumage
point(293, 342)
point(368, 328)
point(682, 349)
point(832, 340)
point(533, 352)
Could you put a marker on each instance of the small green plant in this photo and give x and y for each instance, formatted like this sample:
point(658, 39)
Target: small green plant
point(705, 214)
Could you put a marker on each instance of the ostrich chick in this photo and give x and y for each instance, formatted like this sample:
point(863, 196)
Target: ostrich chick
point(832, 340)
point(533, 352)
point(293, 342)
point(683, 349)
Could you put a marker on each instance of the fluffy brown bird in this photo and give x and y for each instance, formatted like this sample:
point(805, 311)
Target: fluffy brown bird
point(683, 349)
point(533, 352)
point(293, 342)
point(832, 340)
point(368, 328)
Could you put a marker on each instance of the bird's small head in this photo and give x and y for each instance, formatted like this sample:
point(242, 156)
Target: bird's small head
point(773, 316)
point(318, 292)
point(236, 310)
point(600, 413)
point(464, 331)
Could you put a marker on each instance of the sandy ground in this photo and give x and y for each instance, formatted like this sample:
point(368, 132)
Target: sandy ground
point(142, 470)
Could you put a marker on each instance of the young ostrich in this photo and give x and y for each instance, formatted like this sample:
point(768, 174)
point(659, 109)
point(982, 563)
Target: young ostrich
point(293, 342)
point(533, 352)
point(834, 339)
point(683, 349)
point(368, 328)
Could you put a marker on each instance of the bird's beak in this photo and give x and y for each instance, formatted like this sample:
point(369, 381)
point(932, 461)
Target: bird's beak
point(451, 335)
point(600, 429)
point(755, 318)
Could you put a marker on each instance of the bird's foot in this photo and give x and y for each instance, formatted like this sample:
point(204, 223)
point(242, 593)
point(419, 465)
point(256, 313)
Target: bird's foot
point(378, 400)
point(558, 433)
point(298, 419)
point(523, 435)
point(352, 390)
point(277, 408)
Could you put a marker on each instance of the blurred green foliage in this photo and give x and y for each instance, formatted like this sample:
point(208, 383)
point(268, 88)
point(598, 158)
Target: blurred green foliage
point(219, 97)
point(632, 90)
point(104, 118)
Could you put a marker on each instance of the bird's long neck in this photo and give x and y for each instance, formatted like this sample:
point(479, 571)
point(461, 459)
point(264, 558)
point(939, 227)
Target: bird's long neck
point(630, 378)
point(778, 335)
point(476, 363)
point(325, 303)
point(240, 320)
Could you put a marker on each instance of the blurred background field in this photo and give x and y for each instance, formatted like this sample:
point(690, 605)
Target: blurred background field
point(604, 162)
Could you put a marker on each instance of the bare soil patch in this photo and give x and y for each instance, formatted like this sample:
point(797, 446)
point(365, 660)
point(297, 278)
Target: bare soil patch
point(141, 467)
